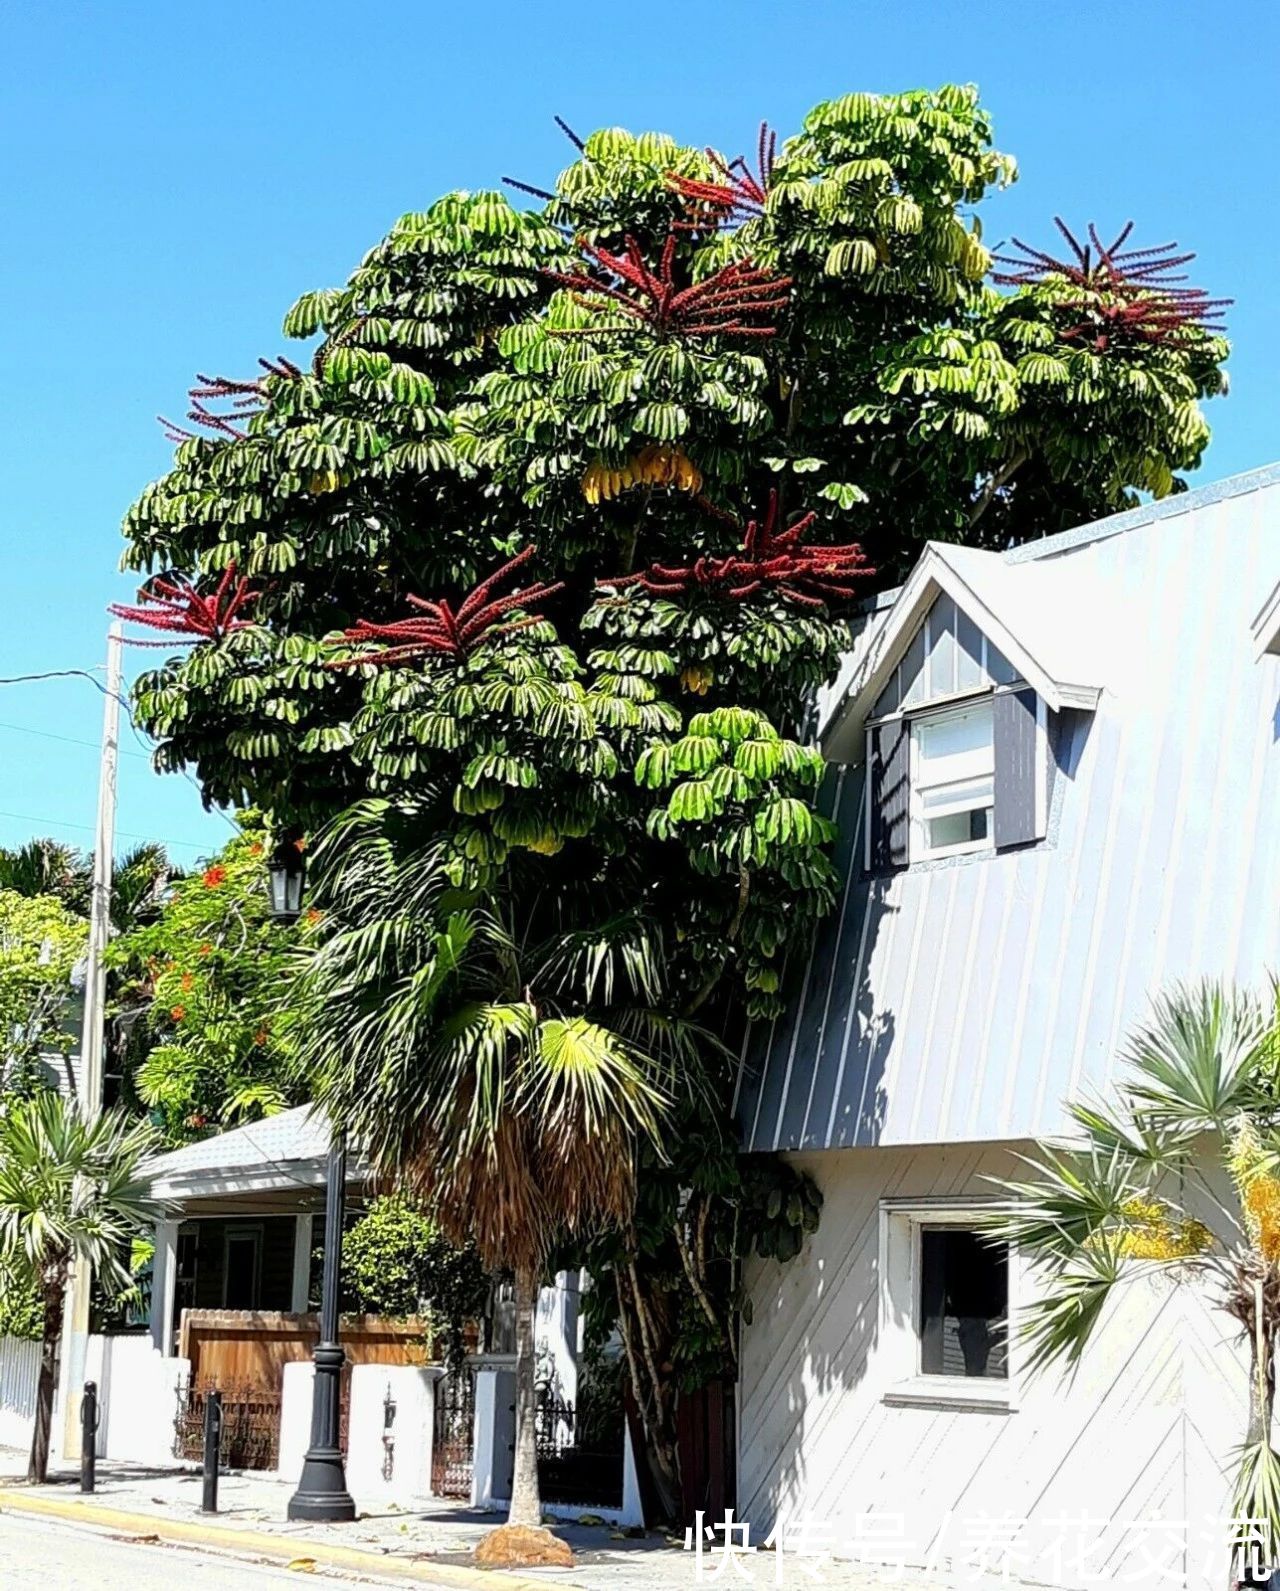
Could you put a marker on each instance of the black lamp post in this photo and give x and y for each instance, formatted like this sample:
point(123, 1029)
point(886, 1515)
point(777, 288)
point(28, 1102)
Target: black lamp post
point(322, 1489)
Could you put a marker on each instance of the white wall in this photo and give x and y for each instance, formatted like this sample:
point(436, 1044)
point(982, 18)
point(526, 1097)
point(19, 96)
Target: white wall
point(1145, 1428)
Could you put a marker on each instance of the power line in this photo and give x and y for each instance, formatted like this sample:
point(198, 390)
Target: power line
point(57, 673)
point(68, 740)
point(84, 673)
point(63, 823)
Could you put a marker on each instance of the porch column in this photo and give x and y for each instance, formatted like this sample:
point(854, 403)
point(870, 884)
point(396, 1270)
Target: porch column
point(302, 1243)
point(164, 1287)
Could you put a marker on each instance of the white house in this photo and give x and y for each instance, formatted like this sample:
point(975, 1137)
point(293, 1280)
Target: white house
point(1057, 777)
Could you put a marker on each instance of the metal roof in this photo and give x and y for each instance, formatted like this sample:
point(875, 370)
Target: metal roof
point(284, 1153)
point(964, 999)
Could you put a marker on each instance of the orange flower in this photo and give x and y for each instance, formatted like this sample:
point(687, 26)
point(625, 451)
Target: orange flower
point(213, 876)
point(188, 983)
point(256, 848)
point(206, 949)
point(177, 1012)
point(261, 1036)
point(314, 914)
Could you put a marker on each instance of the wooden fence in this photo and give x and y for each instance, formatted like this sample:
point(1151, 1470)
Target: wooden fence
point(250, 1348)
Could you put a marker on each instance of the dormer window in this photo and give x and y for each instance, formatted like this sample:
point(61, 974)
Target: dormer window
point(957, 750)
point(953, 782)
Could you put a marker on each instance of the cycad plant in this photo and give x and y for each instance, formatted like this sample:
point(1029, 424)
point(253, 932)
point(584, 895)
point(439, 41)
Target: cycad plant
point(69, 1195)
point(505, 1072)
point(1181, 1177)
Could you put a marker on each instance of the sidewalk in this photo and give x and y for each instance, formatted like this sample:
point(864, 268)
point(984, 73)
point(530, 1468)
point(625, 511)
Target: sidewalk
point(431, 1542)
point(434, 1540)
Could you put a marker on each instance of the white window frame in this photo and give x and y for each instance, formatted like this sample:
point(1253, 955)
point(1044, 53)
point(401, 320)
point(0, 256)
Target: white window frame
point(918, 847)
point(904, 1384)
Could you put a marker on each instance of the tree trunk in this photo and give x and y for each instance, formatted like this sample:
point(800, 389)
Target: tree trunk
point(1262, 1397)
point(38, 1467)
point(526, 1502)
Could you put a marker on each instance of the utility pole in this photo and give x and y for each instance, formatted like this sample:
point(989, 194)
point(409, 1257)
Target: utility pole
point(93, 1033)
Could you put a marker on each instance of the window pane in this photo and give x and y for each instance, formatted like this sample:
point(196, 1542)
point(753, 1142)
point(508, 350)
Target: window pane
point(964, 1304)
point(911, 670)
point(955, 746)
point(968, 653)
point(959, 828)
point(942, 648)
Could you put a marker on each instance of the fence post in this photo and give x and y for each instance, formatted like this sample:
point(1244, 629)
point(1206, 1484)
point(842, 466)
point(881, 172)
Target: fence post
point(89, 1436)
point(212, 1444)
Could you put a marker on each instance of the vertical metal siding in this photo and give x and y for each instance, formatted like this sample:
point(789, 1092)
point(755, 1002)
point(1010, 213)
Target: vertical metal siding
point(967, 998)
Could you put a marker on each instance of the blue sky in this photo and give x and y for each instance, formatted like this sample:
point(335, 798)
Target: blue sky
point(174, 175)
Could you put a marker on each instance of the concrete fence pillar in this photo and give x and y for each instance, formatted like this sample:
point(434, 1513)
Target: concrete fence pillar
point(295, 1416)
point(390, 1431)
point(493, 1454)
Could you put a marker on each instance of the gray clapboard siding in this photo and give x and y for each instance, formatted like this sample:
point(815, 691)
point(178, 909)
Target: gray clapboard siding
point(964, 999)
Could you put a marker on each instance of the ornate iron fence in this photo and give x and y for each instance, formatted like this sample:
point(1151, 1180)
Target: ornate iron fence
point(453, 1437)
point(250, 1426)
point(580, 1456)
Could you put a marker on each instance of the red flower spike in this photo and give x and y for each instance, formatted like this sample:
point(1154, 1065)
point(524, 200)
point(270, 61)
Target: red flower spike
point(1123, 294)
point(728, 304)
point(739, 197)
point(244, 397)
point(442, 629)
point(172, 603)
point(770, 559)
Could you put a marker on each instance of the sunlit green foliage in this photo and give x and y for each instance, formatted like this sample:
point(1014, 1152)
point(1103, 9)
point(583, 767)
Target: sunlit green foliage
point(198, 994)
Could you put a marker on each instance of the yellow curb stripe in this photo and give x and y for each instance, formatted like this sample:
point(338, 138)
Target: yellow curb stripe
point(252, 1541)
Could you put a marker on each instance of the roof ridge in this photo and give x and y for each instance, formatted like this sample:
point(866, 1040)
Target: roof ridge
point(1145, 514)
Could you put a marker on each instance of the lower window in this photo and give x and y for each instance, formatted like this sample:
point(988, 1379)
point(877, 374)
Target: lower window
point(947, 1296)
point(963, 1305)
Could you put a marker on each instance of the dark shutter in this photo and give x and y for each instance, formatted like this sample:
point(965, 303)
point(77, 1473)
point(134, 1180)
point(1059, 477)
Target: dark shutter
point(888, 787)
point(1014, 728)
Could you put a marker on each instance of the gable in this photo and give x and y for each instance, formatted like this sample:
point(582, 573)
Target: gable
point(971, 620)
point(947, 655)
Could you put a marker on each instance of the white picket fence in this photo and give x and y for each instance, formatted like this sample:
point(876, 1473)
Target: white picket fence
point(19, 1370)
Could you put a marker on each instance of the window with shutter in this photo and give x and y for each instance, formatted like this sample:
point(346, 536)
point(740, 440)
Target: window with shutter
point(957, 756)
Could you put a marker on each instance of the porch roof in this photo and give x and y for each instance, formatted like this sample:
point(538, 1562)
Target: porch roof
point(285, 1153)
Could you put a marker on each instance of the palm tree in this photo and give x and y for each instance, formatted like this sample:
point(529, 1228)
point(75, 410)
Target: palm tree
point(1140, 1191)
point(507, 1076)
point(139, 882)
point(47, 867)
point(68, 1196)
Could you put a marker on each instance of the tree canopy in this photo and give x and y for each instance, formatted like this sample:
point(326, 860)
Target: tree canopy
point(547, 542)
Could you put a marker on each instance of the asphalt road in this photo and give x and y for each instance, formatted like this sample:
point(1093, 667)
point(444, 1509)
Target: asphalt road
point(46, 1555)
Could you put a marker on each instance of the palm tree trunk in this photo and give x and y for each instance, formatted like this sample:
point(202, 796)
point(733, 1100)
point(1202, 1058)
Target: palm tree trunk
point(1262, 1397)
point(526, 1502)
point(51, 1338)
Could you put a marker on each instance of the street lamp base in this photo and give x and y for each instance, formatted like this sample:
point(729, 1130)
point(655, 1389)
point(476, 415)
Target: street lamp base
point(322, 1493)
